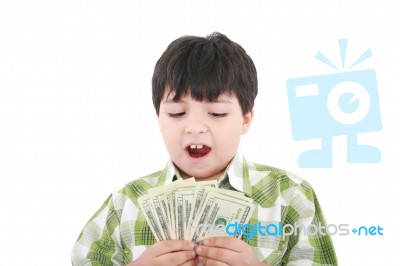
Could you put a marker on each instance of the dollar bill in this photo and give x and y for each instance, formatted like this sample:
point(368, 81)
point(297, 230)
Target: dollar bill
point(218, 211)
point(186, 209)
point(160, 208)
point(156, 211)
point(183, 191)
point(145, 205)
point(199, 195)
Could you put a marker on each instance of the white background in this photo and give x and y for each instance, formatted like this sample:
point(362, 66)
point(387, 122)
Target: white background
point(77, 121)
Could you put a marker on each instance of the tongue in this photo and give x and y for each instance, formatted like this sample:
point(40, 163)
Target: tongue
point(197, 153)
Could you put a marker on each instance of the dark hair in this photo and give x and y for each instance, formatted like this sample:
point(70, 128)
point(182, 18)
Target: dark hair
point(205, 68)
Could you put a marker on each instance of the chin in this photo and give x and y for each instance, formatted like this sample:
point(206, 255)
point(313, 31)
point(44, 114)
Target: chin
point(205, 175)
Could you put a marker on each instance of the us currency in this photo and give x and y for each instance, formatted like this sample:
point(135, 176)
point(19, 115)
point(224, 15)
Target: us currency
point(184, 204)
point(231, 193)
point(176, 210)
point(197, 201)
point(220, 209)
point(167, 191)
point(234, 194)
point(160, 208)
point(184, 190)
point(156, 212)
point(155, 227)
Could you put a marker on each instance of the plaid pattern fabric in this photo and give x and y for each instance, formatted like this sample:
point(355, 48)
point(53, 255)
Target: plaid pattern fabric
point(118, 232)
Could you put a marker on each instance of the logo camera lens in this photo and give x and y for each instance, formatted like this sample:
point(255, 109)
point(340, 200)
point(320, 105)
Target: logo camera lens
point(344, 98)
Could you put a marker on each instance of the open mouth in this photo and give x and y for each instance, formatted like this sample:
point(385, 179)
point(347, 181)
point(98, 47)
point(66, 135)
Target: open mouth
point(198, 151)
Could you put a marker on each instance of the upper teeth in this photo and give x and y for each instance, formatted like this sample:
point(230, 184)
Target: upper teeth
point(193, 146)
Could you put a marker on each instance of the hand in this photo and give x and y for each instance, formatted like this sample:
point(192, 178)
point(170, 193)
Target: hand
point(169, 252)
point(226, 251)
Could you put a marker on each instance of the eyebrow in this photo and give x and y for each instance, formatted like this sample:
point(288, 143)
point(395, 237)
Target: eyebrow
point(172, 101)
point(183, 101)
point(222, 101)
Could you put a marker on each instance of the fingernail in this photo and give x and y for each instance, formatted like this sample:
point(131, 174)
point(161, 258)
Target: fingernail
point(191, 245)
point(206, 241)
point(199, 250)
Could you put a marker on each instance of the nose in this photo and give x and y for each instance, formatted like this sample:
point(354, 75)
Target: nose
point(195, 126)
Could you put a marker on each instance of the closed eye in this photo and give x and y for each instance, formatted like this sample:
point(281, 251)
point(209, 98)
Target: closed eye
point(219, 114)
point(176, 114)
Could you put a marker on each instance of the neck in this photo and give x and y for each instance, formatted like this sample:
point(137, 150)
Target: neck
point(212, 177)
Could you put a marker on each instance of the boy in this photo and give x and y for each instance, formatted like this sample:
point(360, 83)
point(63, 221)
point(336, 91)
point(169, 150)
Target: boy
point(203, 92)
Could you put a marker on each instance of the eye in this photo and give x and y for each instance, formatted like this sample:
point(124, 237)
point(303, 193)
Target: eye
point(219, 114)
point(176, 115)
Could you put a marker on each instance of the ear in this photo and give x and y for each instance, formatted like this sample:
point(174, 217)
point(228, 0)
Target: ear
point(247, 118)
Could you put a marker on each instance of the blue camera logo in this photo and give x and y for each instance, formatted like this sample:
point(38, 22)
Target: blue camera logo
point(325, 106)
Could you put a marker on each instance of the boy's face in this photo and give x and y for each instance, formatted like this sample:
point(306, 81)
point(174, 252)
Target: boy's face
point(202, 137)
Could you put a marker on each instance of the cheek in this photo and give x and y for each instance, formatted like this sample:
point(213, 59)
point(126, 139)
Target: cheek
point(165, 127)
point(229, 135)
point(165, 132)
point(169, 134)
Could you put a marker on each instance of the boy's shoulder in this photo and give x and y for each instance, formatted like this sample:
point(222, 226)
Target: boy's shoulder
point(269, 183)
point(258, 172)
point(139, 186)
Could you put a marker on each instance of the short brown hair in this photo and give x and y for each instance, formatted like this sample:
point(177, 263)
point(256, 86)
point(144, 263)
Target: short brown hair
point(205, 68)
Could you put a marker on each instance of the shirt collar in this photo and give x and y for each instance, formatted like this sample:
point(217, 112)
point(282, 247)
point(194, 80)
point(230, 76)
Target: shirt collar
point(172, 173)
point(237, 172)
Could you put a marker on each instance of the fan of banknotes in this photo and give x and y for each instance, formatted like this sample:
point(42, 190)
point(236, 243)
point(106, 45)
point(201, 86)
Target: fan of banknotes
point(190, 210)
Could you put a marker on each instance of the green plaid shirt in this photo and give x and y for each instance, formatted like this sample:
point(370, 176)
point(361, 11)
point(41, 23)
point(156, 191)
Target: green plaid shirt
point(118, 232)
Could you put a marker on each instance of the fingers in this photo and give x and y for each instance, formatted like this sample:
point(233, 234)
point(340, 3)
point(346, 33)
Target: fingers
point(178, 258)
point(171, 252)
point(212, 255)
point(169, 246)
point(192, 262)
point(231, 243)
point(225, 251)
point(211, 262)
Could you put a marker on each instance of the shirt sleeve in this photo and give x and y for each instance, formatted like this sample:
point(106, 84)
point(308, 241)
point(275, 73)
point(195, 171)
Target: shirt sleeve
point(309, 244)
point(99, 242)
